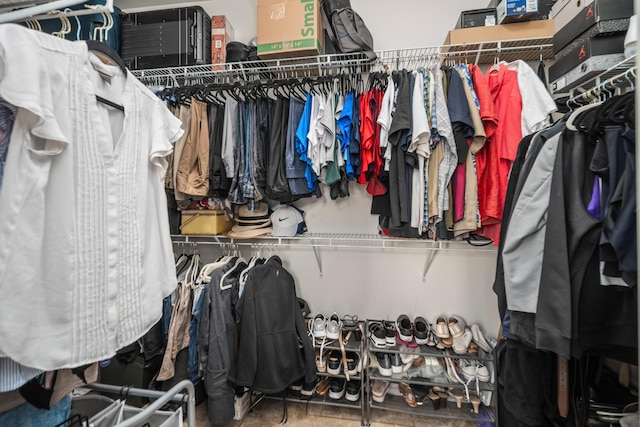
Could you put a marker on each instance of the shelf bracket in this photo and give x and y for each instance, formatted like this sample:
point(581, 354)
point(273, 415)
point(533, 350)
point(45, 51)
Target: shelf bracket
point(316, 252)
point(431, 254)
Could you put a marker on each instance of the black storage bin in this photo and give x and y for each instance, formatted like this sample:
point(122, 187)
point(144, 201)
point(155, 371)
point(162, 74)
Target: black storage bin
point(166, 38)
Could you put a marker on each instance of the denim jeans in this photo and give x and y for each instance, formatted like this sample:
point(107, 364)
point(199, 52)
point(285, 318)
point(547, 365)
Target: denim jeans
point(193, 339)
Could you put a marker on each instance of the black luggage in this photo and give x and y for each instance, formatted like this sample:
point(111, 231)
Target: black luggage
point(166, 38)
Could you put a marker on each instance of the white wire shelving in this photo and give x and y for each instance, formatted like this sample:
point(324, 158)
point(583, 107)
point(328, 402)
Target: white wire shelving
point(620, 76)
point(478, 53)
point(316, 241)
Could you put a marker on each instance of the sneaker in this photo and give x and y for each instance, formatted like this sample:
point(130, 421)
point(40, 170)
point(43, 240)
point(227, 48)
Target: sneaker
point(353, 391)
point(337, 388)
point(334, 364)
point(333, 327)
point(353, 363)
point(422, 329)
point(403, 325)
point(309, 389)
point(384, 364)
point(396, 363)
point(319, 326)
point(297, 385)
point(378, 335)
point(390, 331)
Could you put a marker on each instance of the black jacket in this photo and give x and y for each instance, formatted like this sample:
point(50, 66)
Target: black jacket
point(273, 347)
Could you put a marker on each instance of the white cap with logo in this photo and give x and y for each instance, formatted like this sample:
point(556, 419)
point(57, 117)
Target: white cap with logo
point(285, 221)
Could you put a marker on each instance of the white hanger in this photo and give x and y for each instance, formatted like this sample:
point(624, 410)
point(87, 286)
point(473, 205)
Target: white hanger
point(226, 274)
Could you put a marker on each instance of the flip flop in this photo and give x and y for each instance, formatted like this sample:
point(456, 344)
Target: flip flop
point(440, 328)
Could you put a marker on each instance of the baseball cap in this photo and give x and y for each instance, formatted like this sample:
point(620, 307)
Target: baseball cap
point(285, 221)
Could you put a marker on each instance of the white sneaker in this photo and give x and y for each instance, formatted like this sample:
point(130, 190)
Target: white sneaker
point(333, 327)
point(319, 326)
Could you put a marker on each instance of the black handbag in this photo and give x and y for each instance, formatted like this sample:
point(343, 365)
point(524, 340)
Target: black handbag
point(346, 29)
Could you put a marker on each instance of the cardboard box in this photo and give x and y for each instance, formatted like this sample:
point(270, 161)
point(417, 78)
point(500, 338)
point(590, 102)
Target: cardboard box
point(599, 11)
point(515, 10)
point(563, 11)
point(521, 30)
point(585, 71)
point(597, 46)
point(289, 28)
point(477, 18)
point(510, 11)
point(221, 34)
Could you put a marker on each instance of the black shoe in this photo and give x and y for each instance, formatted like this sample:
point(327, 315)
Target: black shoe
point(337, 388)
point(421, 330)
point(309, 389)
point(353, 391)
point(390, 334)
point(396, 363)
point(420, 392)
point(378, 335)
point(353, 363)
point(297, 385)
point(405, 330)
point(384, 364)
point(334, 363)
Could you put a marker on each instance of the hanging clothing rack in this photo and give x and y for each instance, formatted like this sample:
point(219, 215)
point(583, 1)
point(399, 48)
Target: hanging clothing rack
point(162, 397)
point(479, 53)
point(608, 86)
point(43, 11)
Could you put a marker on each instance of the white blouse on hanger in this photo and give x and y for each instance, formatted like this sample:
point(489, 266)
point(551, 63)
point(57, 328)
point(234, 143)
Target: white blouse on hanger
point(85, 253)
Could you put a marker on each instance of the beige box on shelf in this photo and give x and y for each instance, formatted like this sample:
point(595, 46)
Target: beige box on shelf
point(519, 30)
point(221, 34)
point(289, 28)
point(204, 222)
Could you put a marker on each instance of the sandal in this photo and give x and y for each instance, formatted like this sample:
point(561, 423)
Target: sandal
point(409, 397)
point(461, 343)
point(440, 328)
point(456, 326)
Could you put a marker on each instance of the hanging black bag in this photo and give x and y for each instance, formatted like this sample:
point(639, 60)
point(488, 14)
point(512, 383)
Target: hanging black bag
point(346, 29)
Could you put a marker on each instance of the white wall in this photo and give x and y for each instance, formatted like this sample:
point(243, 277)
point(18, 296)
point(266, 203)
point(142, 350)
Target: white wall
point(378, 283)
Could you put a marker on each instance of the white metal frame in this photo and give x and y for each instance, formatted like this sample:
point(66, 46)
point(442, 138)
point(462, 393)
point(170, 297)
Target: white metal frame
point(42, 11)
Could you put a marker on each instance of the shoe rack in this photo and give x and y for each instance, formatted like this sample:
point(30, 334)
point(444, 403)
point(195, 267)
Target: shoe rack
point(449, 400)
point(321, 391)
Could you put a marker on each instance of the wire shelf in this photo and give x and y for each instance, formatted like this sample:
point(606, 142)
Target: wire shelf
point(479, 53)
point(617, 75)
point(338, 240)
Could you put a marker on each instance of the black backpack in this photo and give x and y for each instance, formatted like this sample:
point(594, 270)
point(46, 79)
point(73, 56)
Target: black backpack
point(346, 29)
